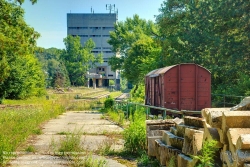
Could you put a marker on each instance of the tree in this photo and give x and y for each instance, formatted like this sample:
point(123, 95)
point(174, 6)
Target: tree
point(212, 34)
point(133, 40)
point(54, 68)
point(79, 59)
point(21, 75)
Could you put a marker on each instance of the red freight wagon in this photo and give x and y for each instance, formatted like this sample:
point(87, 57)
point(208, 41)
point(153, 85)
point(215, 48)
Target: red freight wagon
point(179, 87)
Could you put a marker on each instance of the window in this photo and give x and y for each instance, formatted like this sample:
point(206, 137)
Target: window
point(95, 35)
point(107, 51)
point(110, 75)
point(107, 48)
point(106, 35)
point(83, 35)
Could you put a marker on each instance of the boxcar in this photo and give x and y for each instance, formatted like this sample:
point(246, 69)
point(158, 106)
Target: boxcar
point(179, 87)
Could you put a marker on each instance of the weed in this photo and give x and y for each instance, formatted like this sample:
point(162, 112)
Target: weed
point(71, 143)
point(87, 161)
point(37, 131)
point(135, 137)
point(145, 160)
point(172, 162)
point(30, 149)
point(206, 159)
point(63, 133)
point(105, 148)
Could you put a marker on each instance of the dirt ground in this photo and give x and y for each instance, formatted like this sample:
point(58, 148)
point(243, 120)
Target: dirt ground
point(96, 132)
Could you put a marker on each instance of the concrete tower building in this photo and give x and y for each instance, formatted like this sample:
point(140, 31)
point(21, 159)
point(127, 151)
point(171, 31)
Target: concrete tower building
point(96, 26)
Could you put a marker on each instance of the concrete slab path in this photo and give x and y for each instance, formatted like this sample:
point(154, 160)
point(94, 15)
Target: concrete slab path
point(95, 132)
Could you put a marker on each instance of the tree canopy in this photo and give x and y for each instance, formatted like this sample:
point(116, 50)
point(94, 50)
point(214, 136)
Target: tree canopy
point(79, 59)
point(214, 34)
point(19, 68)
point(133, 40)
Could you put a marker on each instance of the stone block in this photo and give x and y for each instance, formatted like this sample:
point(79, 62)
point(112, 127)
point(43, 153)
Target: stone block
point(193, 121)
point(151, 145)
point(213, 116)
point(185, 161)
point(243, 106)
point(211, 134)
point(171, 153)
point(181, 129)
point(234, 119)
point(233, 135)
point(155, 133)
point(158, 146)
point(243, 142)
point(178, 121)
point(170, 139)
point(192, 141)
point(173, 130)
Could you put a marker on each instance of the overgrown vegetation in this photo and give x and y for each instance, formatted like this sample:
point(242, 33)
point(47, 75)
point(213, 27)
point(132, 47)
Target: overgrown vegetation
point(18, 122)
point(208, 151)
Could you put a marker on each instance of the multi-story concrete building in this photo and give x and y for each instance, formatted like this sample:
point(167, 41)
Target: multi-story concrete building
point(96, 26)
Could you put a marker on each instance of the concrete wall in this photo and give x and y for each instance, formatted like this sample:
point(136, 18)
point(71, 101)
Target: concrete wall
point(97, 27)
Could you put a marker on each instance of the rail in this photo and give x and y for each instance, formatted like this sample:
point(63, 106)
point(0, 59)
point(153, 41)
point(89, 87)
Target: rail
point(165, 110)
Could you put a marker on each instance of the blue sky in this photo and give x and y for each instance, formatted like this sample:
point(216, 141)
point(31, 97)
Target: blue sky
point(48, 17)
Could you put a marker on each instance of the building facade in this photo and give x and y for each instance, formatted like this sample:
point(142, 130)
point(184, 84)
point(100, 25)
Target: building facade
point(96, 26)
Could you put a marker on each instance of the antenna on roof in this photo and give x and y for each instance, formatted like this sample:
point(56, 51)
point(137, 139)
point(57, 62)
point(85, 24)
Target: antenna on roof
point(91, 9)
point(110, 7)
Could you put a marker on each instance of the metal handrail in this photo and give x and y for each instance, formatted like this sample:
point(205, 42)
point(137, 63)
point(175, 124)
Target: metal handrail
point(165, 110)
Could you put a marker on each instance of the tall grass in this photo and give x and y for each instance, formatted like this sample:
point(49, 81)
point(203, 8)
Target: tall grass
point(19, 122)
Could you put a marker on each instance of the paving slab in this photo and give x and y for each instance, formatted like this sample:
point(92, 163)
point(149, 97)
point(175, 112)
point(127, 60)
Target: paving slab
point(88, 124)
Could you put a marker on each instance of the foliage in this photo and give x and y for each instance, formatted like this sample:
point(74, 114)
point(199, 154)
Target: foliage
point(54, 68)
point(135, 137)
point(79, 59)
point(71, 143)
point(21, 74)
point(138, 94)
point(20, 122)
point(212, 34)
point(109, 103)
point(26, 79)
point(139, 53)
point(206, 159)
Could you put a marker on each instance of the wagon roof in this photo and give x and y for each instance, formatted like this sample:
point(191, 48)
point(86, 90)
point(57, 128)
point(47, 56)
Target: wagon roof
point(159, 71)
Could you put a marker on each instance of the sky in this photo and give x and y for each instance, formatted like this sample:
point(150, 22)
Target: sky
point(48, 17)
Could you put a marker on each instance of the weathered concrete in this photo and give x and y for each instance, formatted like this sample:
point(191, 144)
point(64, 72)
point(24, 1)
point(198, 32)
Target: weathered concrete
point(89, 124)
point(233, 119)
point(186, 161)
point(151, 145)
point(178, 121)
point(233, 134)
point(193, 121)
point(171, 152)
point(170, 139)
point(192, 141)
point(158, 145)
point(173, 130)
point(213, 116)
point(243, 142)
point(211, 134)
point(181, 129)
point(243, 106)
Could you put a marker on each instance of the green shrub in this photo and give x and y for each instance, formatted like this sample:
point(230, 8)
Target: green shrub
point(135, 137)
point(109, 103)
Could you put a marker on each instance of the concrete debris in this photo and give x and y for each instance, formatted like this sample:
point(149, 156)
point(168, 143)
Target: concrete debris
point(182, 139)
point(243, 106)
